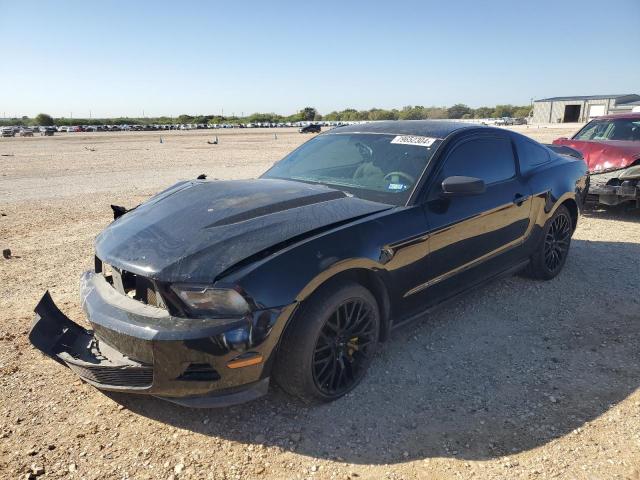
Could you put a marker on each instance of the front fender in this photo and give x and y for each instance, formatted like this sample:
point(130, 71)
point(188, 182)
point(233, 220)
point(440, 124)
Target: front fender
point(342, 266)
point(292, 274)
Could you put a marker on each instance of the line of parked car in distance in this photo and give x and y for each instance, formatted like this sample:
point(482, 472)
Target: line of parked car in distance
point(26, 131)
point(505, 121)
point(11, 131)
point(303, 127)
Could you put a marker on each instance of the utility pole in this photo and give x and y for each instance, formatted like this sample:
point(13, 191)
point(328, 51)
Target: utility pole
point(530, 110)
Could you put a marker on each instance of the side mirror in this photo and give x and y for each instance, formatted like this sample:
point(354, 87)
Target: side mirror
point(462, 186)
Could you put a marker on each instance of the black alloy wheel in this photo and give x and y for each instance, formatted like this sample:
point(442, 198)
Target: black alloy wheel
point(344, 347)
point(556, 242)
point(331, 341)
point(551, 253)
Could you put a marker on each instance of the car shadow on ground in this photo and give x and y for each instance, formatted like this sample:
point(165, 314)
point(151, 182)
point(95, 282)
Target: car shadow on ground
point(502, 370)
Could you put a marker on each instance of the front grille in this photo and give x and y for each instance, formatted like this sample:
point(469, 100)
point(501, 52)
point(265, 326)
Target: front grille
point(135, 286)
point(131, 377)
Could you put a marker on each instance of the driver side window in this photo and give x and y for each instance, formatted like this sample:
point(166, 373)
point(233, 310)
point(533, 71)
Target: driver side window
point(490, 159)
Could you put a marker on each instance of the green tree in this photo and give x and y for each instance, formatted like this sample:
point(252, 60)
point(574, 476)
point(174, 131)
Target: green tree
point(521, 112)
point(200, 119)
point(218, 119)
point(412, 113)
point(184, 118)
point(44, 119)
point(458, 110)
point(503, 111)
point(332, 117)
point(483, 112)
point(264, 118)
point(349, 115)
point(380, 114)
point(308, 114)
point(436, 112)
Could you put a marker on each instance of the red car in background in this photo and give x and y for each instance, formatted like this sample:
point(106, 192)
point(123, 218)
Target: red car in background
point(610, 146)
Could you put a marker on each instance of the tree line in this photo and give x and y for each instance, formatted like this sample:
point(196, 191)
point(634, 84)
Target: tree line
point(410, 112)
point(418, 112)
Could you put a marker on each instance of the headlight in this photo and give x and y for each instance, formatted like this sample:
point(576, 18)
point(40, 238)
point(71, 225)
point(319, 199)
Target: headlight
point(631, 172)
point(219, 301)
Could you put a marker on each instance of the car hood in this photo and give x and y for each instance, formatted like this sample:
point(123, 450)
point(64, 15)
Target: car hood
point(604, 155)
point(194, 231)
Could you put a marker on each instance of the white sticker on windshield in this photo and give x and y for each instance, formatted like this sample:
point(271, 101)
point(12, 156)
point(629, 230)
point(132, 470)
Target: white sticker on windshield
point(414, 140)
point(397, 186)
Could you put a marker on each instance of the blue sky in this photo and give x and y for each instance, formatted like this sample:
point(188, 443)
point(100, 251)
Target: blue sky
point(167, 58)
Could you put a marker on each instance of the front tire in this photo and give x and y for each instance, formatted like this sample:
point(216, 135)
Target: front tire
point(551, 254)
point(327, 349)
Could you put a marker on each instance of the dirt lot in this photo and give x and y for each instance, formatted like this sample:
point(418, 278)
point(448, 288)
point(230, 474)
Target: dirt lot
point(521, 379)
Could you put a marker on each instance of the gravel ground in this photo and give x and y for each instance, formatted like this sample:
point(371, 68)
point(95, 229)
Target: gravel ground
point(520, 379)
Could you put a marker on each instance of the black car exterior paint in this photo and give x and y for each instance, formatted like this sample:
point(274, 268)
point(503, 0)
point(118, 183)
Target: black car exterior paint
point(196, 231)
point(278, 241)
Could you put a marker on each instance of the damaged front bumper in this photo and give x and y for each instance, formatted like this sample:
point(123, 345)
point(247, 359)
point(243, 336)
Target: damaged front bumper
point(139, 348)
point(615, 187)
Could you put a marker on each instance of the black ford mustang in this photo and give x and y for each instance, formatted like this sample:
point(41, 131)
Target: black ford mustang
point(206, 291)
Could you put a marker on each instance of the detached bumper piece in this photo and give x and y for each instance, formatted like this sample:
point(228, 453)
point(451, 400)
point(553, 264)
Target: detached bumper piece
point(71, 345)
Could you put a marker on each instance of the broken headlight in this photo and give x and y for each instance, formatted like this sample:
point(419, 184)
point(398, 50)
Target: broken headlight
point(206, 299)
point(631, 172)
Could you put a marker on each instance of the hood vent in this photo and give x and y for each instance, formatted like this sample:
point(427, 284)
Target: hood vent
point(278, 207)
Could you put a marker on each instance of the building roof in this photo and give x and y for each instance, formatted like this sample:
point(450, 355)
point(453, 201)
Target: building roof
point(428, 128)
point(589, 97)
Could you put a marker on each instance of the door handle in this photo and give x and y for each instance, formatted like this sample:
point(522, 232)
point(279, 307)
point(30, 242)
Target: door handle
point(519, 199)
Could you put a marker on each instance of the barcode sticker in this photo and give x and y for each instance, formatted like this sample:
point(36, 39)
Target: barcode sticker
point(414, 140)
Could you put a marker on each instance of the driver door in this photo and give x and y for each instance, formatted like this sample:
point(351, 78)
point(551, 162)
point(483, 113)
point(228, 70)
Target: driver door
point(474, 237)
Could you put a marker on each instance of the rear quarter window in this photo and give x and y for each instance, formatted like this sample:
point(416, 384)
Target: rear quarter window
point(531, 154)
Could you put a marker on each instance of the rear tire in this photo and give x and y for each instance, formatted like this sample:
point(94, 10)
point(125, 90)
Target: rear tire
point(326, 350)
point(551, 254)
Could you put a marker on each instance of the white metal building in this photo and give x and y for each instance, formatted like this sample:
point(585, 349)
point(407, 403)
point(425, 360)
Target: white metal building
point(581, 108)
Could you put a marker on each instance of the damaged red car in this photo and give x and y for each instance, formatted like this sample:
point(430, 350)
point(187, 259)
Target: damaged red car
point(610, 146)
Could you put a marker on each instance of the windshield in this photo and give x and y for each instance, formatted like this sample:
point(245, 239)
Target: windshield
point(620, 129)
point(383, 168)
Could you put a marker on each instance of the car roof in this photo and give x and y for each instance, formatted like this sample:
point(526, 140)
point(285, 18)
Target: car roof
point(427, 128)
point(626, 116)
